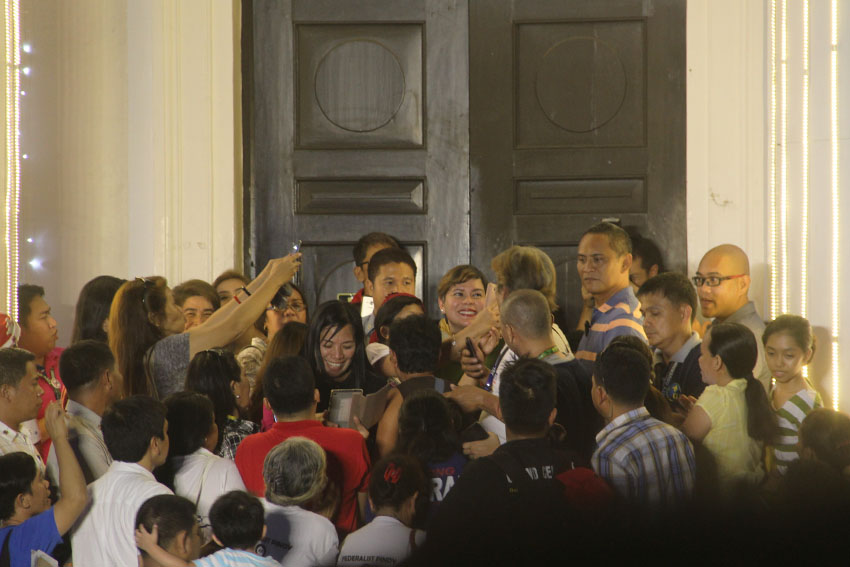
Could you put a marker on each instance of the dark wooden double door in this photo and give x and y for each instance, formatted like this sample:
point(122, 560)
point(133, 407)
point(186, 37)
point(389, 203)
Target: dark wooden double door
point(461, 127)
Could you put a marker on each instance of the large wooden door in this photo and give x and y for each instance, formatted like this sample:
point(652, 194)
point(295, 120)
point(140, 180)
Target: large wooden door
point(357, 121)
point(577, 113)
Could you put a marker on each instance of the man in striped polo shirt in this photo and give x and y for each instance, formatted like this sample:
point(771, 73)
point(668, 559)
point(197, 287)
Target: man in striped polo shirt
point(604, 259)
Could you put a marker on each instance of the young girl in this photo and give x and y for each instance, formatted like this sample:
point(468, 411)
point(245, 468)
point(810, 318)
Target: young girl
point(394, 488)
point(732, 417)
point(788, 347)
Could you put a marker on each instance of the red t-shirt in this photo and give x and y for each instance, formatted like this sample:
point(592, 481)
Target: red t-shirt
point(348, 461)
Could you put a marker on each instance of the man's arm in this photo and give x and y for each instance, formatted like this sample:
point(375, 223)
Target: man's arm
point(72, 483)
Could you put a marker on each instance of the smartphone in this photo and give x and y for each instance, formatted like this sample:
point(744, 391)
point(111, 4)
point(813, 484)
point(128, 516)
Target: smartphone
point(295, 247)
point(471, 348)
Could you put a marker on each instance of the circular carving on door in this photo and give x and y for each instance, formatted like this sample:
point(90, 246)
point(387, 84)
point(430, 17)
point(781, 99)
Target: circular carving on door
point(359, 85)
point(580, 84)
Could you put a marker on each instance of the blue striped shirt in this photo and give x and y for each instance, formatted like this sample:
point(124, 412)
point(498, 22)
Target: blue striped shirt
point(620, 315)
point(646, 461)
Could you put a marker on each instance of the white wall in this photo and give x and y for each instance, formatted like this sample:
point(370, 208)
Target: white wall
point(135, 167)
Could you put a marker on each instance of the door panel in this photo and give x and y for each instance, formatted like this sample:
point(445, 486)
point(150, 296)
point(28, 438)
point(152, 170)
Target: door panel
point(576, 114)
point(359, 123)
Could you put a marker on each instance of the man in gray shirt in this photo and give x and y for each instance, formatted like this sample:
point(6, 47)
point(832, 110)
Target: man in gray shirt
point(723, 284)
point(93, 382)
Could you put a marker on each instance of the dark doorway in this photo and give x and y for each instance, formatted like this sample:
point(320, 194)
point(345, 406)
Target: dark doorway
point(461, 127)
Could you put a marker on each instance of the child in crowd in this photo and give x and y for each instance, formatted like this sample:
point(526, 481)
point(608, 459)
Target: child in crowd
point(825, 437)
point(238, 524)
point(732, 417)
point(396, 484)
point(788, 347)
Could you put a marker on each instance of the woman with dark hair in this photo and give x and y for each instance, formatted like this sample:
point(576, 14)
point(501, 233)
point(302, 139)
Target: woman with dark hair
point(269, 323)
point(337, 352)
point(288, 341)
point(146, 328)
point(215, 374)
point(91, 317)
point(428, 430)
point(732, 418)
point(192, 470)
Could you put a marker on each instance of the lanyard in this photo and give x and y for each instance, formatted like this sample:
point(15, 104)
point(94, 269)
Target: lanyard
point(492, 376)
point(547, 352)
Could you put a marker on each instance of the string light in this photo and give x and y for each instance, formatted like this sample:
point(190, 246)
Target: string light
point(774, 308)
point(804, 221)
point(13, 162)
point(783, 145)
point(833, 88)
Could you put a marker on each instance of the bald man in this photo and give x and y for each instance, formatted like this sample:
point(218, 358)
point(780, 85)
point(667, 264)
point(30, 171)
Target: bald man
point(723, 285)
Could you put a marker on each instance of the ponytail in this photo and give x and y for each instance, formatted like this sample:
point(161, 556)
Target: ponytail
point(761, 421)
point(736, 345)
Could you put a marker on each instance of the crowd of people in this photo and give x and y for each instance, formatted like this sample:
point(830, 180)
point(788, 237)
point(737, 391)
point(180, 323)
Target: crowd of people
point(200, 425)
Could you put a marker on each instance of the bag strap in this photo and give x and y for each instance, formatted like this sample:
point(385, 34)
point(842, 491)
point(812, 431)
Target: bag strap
point(5, 554)
point(146, 362)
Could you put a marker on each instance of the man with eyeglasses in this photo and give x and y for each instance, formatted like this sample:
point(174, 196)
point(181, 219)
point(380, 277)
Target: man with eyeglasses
point(723, 283)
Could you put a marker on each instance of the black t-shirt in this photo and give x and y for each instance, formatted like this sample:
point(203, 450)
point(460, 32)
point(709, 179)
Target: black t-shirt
point(371, 382)
point(488, 519)
point(575, 408)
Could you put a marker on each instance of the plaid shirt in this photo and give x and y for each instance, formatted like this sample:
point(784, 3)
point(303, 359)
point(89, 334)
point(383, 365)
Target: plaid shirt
point(235, 430)
point(646, 461)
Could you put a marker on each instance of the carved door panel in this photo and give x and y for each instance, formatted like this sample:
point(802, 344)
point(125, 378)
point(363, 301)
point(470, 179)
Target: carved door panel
point(577, 113)
point(356, 121)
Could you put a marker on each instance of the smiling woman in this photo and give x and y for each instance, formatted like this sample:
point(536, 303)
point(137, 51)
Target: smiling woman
point(336, 348)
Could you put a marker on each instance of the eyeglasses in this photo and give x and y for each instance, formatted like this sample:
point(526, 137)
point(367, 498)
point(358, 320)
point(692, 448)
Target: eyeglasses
point(713, 281)
point(296, 306)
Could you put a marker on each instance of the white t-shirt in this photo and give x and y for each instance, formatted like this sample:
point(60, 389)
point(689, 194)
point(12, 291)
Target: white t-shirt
point(104, 533)
point(296, 537)
point(384, 541)
point(190, 483)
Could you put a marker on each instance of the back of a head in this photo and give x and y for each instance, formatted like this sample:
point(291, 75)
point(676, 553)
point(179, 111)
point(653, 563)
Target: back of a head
point(425, 427)
point(624, 372)
point(26, 294)
point(13, 365)
point(131, 332)
point(635, 343)
point(527, 311)
point(826, 433)
point(92, 308)
point(190, 420)
point(17, 473)
point(673, 286)
point(648, 252)
point(82, 364)
point(129, 425)
point(736, 345)
point(527, 396)
point(368, 241)
point(618, 238)
point(295, 472)
point(289, 385)
point(416, 342)
point(192, 288)
point(394, 479)
point(336, 315)
point(170, 514)
point(237, 519)
point(526, 267)
point(210, 373)
point(389, 256)
point(288, 341)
